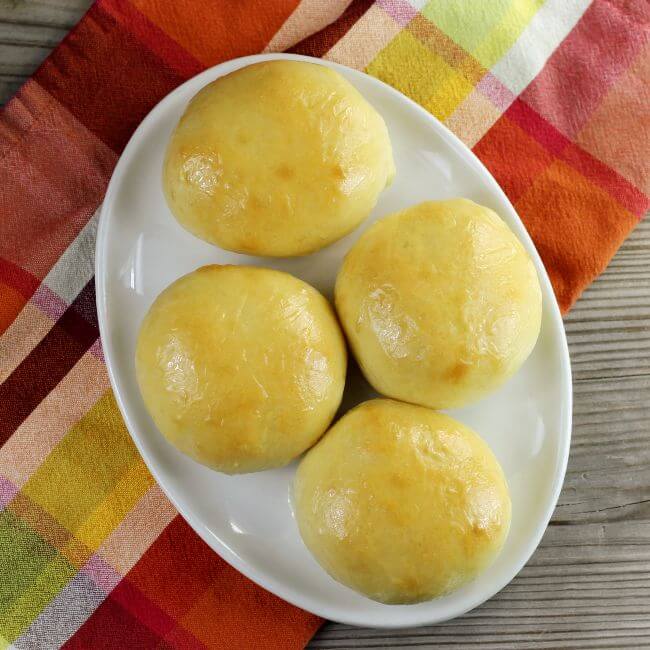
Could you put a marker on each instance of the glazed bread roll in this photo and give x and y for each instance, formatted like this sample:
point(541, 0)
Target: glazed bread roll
point(441, 304)
point(401, 503)
point(279, 158)
point(241, 368)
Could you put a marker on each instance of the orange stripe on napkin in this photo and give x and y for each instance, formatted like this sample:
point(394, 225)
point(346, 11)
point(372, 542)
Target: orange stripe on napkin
point(216, 31)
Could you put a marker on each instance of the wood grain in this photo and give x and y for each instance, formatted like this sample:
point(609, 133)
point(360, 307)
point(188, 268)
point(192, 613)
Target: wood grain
point(588, 584)
point(29, 29)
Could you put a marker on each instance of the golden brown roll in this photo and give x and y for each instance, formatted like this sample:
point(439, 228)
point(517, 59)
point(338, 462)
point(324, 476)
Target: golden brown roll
point(278, 158)
point(241, 368)
point(441, 304)
point(401, 503)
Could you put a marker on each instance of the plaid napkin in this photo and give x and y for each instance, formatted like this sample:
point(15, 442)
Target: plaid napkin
point(552, 96)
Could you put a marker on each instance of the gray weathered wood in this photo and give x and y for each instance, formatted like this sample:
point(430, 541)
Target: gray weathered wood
point(29, 29)
point(588, 584)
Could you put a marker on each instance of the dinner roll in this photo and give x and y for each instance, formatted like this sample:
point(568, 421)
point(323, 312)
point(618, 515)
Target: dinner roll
point(401, 503)
point(278, 158)
point(440, 302)
point(241, 368)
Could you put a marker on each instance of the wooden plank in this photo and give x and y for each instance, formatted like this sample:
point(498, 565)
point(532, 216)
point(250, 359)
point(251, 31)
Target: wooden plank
point(20, 60)
point(588, 584)
point(9, 84)
point(31, 35)
point(29, 29)
point(48, 13)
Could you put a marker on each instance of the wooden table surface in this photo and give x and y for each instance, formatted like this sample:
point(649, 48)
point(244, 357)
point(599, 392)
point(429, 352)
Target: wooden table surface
point(588, 584)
